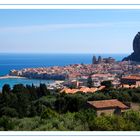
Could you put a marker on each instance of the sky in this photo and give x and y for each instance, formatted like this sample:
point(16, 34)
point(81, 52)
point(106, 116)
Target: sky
point(68, 31)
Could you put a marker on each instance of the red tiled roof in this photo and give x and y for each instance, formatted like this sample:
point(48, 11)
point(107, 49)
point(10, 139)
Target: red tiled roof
point(101, 88)
point(128, 86)
point(132, 77)
point(83, 89)
point(113, 103)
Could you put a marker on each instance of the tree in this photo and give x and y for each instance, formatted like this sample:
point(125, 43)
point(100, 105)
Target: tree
point(32, 110)
point(23, 105)
point(6, 89)
point(107, 84)
point(72, 103)
point(135, 97)
point(86, 116)
point(20, 88)
point(101, 124)
point(6, 123)
point(32, 92)
point(40, 107)
point(48, 114)
point(42, 90)
point(60, 104)
point(10, 112)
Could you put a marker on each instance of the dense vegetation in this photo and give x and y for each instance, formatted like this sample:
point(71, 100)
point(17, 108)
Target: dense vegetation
point(36, 108)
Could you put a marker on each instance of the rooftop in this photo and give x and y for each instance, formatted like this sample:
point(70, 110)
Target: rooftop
point(132, 77)
point(83, 89)
point(113, 103)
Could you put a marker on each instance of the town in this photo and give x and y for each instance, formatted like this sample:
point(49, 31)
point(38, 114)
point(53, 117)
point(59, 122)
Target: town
point(74, 78)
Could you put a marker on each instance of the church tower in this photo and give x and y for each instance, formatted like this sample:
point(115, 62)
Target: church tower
point(94, 60)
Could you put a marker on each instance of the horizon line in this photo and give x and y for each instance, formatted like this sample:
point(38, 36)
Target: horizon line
point(57, 53)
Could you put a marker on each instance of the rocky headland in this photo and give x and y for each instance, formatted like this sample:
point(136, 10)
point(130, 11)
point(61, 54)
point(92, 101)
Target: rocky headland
point(135, 56)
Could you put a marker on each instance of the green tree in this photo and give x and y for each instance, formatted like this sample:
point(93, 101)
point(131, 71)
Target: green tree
point(10, 112)
point(40, 107)
point(32, 92)
point(6, 89)
point(23, 104)
point(32, 110)
point(43, 90)
point(20, 88)
point(107, 84)
point(86, 116)
point(101, 123)
point(72, 103)
point(6, 123)
point(48, 114)
point(132, 116)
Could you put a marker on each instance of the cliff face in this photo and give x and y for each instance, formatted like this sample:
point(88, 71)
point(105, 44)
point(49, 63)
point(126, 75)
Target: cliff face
point(135, 56)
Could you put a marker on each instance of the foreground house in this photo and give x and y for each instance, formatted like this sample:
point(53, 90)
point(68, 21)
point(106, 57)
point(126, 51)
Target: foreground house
point(112, 106)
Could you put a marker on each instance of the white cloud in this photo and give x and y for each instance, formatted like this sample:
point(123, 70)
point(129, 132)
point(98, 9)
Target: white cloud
point(50, 27)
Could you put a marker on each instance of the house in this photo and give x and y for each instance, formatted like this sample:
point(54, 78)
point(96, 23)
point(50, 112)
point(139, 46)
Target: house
point(69, 91)
point(82, 89)
point(128, 86)
point(112, 106)
point(131, 80)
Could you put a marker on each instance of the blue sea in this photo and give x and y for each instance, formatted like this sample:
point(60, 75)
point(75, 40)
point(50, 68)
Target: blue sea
point(20, 61)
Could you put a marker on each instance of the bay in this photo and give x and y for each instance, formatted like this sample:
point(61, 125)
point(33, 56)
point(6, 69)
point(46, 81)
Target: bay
point(20, 61)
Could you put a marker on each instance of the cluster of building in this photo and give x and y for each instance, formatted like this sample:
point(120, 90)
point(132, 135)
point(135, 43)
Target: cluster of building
point(121, 74)
point(49, 73)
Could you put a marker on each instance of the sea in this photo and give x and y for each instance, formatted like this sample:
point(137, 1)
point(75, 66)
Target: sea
point(19, 61)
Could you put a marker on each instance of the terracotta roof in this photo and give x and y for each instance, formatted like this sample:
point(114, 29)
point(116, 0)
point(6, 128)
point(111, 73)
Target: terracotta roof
point(132, 77)
point(83, 89)
point(101, 75)
point(101, 88)
point(66, 90)
point(129, 86)
point(113, 103)
point(125, 86)
point(93, 89)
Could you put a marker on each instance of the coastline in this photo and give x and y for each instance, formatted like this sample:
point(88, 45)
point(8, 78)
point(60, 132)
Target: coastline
point(19, 77)
point(13, 80)
point(10, 77)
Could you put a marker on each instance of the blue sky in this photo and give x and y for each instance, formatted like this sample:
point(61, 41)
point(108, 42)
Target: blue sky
point(68, 31)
